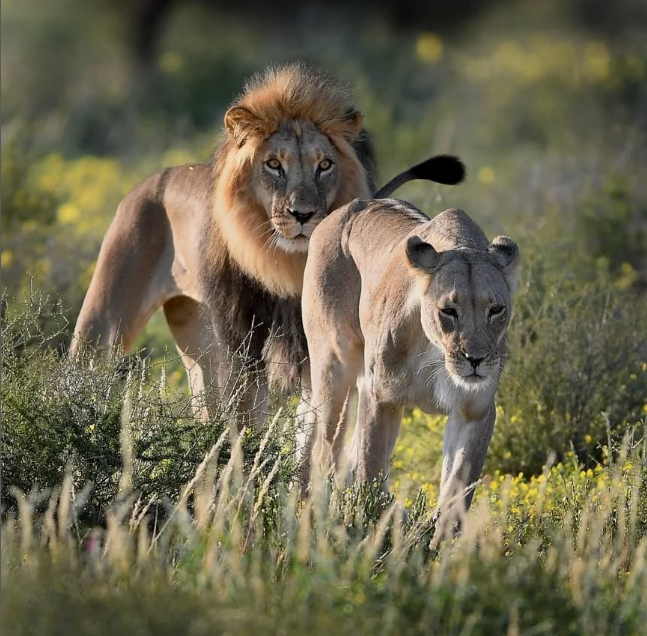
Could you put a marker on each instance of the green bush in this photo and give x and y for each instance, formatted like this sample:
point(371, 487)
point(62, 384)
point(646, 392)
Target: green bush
point(58, 413)
point(611, 227)
point(577, 374)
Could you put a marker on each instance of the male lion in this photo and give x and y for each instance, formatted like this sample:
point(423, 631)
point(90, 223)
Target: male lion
point(417, 309)
point(222, 246)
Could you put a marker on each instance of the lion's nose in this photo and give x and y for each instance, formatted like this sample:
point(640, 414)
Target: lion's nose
point(473, 360)
point(302, 217)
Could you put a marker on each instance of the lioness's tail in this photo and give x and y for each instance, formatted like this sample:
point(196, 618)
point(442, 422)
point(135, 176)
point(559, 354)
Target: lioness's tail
point(441, 168)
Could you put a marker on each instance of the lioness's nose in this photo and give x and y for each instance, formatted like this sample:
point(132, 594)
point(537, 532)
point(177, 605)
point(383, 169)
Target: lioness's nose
point(472, 360)
point(302, 217)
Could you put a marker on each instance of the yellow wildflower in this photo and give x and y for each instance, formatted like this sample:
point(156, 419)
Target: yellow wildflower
point(486, 175)
point(429, 48)
point(7, 258)
point(68, 213)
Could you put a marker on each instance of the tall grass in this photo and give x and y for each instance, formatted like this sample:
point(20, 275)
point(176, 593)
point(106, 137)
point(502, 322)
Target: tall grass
point(240, 553)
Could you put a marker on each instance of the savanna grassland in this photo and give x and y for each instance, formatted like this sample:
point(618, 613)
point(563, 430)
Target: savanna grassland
point(123, 515)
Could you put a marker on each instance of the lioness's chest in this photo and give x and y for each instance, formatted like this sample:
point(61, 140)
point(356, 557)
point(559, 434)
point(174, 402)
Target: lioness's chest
point(409, 378)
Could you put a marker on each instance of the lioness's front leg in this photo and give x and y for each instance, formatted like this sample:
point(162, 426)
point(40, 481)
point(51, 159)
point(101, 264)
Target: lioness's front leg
point(464, 447)
point(378, 426)
point(332, 378)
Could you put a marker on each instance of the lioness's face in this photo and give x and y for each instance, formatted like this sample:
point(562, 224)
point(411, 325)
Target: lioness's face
point(465, 309)
point(297, 180)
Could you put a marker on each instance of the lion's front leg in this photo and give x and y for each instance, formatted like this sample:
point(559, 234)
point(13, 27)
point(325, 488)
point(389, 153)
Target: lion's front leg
point(464, 448)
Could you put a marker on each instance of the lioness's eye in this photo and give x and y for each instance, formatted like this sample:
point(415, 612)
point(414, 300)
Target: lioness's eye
point(273, 164)
point(325, 165)
point(449, 311)
point(497, 310)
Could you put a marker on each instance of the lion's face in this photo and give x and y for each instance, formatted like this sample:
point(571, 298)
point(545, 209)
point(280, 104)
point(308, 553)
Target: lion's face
point(296, 179)
point(466, 305)
point(294, 150)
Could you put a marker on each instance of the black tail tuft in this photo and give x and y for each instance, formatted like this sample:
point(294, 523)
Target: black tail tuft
point(445, 169)
point(441, 169)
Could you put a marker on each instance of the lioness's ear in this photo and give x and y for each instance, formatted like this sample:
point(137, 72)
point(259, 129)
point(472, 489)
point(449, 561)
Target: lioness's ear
point(241, 123)
point(351, 126)
point(506, 253)
point(421, 255)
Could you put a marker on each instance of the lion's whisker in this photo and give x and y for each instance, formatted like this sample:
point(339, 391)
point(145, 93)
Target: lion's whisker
point(276, 244)
point(268, 231)
point(261, 226)
point(272, 238)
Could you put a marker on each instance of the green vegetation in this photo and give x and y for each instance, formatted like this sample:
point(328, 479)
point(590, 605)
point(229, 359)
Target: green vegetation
point(100, 532)
point(238, 552)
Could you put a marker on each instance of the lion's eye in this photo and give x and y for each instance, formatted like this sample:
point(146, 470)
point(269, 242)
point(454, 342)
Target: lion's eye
point(450, 312)
point(497, 310)
point(273, 164)
point(325, 165)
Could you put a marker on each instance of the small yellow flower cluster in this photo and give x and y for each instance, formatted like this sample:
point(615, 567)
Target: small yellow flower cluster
point(543, 58)
point(518, 500)
point(89, 187)
point(521, 502)
point(421, 438)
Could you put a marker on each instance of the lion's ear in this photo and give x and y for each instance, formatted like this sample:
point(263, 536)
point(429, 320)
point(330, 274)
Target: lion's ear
point(421, 255)
point(506, 254)
point(241, 123)
point(352, 125)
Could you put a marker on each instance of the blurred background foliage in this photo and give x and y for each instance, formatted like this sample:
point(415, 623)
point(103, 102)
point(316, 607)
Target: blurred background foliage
point(546, 102)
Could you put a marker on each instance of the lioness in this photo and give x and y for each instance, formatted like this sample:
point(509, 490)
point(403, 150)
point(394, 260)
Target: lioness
point(417, 309)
